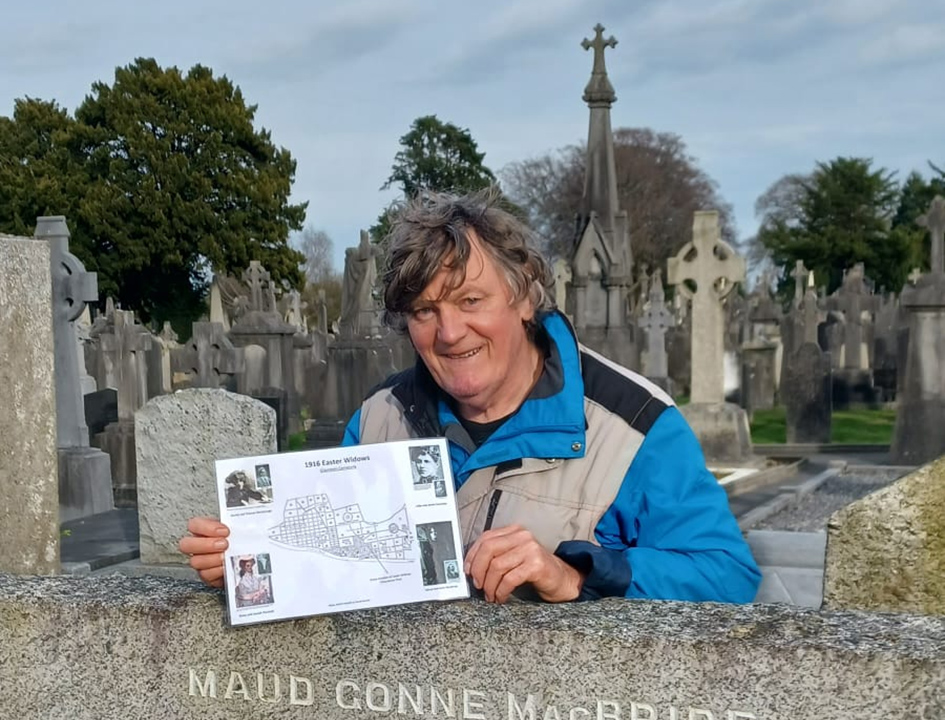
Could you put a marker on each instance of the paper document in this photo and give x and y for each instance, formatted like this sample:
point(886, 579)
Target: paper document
point(326, 531)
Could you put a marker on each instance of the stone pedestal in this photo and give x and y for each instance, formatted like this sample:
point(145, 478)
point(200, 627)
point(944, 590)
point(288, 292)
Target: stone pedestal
point(722, 429)
point(758, 376)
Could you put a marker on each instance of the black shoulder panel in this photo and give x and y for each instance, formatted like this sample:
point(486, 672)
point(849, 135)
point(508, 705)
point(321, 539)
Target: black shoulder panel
point(620, 394)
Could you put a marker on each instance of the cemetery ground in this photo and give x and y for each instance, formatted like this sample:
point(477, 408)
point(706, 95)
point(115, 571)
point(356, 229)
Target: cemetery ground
point(866, 426)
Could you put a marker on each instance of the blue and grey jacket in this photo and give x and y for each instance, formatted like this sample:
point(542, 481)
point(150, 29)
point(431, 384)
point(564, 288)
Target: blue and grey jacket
point(597, 463)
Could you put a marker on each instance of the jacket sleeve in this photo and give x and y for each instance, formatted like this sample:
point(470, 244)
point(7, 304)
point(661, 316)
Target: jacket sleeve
point(669, 534)
point(352, 434)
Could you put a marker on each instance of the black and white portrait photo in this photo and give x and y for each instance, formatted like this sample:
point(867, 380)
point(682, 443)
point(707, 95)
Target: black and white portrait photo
point(425, 464)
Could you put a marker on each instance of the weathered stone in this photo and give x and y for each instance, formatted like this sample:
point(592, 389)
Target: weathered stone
point(29, 513)
point(919, 436)
point(715, 269)
point(807, 395)
point(722, 429)
point(886, 552)
point(158, 648)
point(178, 437)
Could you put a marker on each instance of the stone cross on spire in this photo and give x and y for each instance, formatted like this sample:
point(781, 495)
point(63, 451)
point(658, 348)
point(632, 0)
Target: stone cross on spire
point(934, 220)
point(599, 89)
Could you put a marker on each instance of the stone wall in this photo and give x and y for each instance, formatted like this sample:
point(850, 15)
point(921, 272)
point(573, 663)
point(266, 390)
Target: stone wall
point(110, 647)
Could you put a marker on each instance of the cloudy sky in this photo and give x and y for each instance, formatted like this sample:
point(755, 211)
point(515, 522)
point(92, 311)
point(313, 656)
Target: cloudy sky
point(756, 88)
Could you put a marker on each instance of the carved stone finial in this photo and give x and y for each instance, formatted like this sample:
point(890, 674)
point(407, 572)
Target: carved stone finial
point(598, 89)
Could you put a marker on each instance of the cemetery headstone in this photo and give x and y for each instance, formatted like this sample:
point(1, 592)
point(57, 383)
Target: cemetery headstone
point(85, 482)
point(655, 320)
point(178, 437)
point(29, 513)
point(918, 436)
point(159, 648)
point(359, 317)
point(714, 269)
point(806, 395)
point(886, 552)
point(125, 344)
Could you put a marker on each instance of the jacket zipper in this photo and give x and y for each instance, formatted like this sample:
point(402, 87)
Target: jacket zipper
point(490, 514)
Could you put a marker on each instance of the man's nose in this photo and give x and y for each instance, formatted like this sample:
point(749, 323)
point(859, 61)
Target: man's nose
point(451, 325)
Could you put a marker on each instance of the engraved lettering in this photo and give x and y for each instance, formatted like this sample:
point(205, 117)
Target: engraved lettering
point(551, 713)
point(608, 709)
point(294, 697)
point(261, 685)
point(384, 705)
point(236, 685)
point(574, 713)
point(208, 688)
point(700, 714)
point(447, 704)
point(637, 708)
point(741, 715)
point(517, 711)
point(403, 693)
point(472, 709)
point(342, 685)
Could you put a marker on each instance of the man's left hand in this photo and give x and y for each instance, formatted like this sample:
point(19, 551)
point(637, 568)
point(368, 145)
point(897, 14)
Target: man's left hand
point(505, 558)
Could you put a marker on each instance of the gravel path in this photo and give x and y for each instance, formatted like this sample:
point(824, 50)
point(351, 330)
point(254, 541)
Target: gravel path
point(811, 512)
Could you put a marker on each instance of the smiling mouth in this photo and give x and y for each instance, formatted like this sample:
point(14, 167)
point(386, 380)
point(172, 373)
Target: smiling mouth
point(462, 356)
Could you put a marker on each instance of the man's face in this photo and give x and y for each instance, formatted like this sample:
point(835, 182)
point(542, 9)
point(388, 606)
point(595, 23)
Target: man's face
point(473, 340)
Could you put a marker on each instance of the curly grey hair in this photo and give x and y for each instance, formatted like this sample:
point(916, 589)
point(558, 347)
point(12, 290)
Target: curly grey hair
point(431, 233)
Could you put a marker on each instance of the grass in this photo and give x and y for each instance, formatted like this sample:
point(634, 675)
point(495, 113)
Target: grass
point(847, 427)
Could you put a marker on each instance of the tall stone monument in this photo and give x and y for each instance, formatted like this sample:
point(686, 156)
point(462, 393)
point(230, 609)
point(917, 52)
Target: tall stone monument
point(919, 436)
point(706, 270)
point(359, 316)
point(29, 513)
point(85, 480)
point(602, 261)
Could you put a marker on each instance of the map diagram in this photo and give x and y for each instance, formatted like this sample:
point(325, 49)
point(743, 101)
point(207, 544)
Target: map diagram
point(312, 523)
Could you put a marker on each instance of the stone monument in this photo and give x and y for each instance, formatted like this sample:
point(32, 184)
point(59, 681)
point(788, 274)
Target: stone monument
point(886, 552)
point(29, 513)
point(178, 437)
point(919, 435)
point(85, 480)
point(602, 261)
point(359, 317)
point(713, 269)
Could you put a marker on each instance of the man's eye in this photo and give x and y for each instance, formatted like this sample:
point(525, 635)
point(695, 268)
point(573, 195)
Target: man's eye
point(421, 313)
point(471, 301)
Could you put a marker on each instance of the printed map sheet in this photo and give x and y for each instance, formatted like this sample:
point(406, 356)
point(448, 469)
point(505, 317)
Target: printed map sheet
point(326, 531)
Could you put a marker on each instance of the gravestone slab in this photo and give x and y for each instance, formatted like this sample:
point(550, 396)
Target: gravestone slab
point(29, 513)
point(807, 395)
point(159, 649)
point(177, 439)
point(886, 552)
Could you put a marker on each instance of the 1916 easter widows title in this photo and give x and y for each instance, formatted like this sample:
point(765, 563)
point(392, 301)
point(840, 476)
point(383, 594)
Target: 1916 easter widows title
point(430, 701)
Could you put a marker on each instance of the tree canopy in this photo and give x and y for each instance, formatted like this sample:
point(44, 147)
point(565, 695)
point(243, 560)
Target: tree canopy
point(659, 185)
point(163, 178)
point(434, 155)
point(843, 213)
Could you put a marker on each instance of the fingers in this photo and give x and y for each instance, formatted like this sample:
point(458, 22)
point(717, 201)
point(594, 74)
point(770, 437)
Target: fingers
point(207, 527)
point(205, 545)
point(503, 559)
point(212, 576)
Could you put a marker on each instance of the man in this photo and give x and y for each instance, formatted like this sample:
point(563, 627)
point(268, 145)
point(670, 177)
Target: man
point(576, 478)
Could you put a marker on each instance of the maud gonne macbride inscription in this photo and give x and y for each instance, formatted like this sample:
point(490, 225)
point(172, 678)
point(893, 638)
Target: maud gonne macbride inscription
point(426, 701)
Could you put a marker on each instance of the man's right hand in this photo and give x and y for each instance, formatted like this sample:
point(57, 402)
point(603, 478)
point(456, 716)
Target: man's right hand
point(205, 545)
